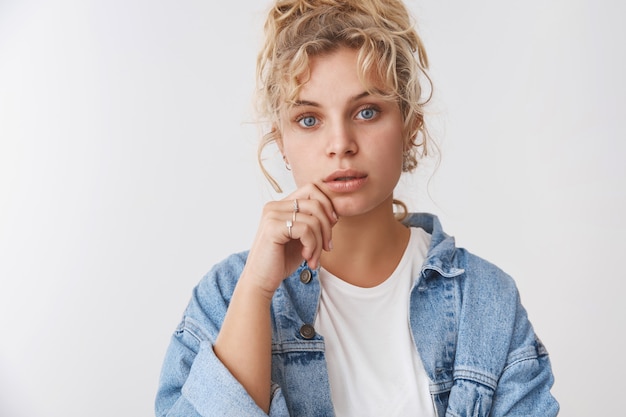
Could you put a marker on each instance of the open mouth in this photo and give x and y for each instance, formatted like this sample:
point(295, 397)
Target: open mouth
point(345, 175)
point(345, 181)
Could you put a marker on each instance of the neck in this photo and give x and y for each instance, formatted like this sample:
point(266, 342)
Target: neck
point(366, 248)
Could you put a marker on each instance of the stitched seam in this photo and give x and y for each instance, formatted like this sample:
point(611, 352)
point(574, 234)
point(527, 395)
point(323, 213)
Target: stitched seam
point(479, 377)
point(526, 354)
point(196, 331)
point(532, 358)
point(440, 387)
point(289, 347)
point(521, 354)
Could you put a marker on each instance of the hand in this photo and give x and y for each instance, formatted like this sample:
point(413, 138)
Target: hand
point(275, 254)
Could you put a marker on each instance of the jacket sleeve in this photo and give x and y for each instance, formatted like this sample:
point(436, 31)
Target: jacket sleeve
point(497, 348)
point(193, 381)
point(524, 385)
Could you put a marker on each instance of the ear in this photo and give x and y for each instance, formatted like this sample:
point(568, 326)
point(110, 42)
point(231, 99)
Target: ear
point(412, 131)
point(278, 139)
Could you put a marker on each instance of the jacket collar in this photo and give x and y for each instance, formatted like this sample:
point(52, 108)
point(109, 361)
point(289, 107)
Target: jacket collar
point(441, 254)
point(440, 259)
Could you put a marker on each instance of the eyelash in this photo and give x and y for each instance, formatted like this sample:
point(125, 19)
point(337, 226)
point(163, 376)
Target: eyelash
point(372, 108)
point(300, 118)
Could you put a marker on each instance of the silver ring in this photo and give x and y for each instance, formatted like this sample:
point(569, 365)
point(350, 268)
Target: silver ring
point(293, 218)
point(296, 208)
point(289, 225)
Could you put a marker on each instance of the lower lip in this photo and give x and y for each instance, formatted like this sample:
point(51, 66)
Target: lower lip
point(347, 186)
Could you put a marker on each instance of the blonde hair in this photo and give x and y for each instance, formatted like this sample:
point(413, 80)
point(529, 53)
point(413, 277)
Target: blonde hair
point(389, 50)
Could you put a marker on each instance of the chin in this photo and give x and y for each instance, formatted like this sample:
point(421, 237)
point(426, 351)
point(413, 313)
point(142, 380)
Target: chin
point(346, 207)
point(358, 204)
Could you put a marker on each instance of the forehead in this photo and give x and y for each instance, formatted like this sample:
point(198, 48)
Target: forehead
point(340, 70)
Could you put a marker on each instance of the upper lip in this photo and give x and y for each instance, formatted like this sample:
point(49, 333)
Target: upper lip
point(345, 174)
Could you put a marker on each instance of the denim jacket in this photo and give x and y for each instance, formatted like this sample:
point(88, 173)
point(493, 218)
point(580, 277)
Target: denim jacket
point(473, 336)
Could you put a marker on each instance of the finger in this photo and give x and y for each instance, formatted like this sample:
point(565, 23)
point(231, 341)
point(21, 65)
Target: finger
point(311, 224)
point(309, 230)
point(313, 208)
point(317, 205)
point(312, 192)
point(312, 213)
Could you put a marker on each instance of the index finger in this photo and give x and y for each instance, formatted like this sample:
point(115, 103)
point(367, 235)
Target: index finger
point(312, 192)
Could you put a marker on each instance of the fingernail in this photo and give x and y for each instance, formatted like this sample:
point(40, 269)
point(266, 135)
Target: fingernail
point(330, 244)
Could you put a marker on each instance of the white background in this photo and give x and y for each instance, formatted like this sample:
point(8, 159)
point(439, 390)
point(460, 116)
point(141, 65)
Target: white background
point(127, 168)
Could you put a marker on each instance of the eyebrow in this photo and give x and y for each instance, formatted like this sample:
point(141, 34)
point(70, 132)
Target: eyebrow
point(314, 104)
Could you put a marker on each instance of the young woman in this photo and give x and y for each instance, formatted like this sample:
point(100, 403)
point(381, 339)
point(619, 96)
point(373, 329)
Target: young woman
point(341, 306)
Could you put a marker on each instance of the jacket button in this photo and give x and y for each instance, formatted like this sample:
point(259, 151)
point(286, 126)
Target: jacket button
point(307, 331)
point(305, 276)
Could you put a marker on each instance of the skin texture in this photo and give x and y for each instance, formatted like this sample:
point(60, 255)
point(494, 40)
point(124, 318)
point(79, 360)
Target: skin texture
point(345, 150)
point(351, 130)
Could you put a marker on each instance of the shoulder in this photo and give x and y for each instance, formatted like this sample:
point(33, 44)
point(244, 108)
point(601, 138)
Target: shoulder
point(481, 274)
point(221, 279)
point(211, 296)
point(446, 260)
point(489, 304)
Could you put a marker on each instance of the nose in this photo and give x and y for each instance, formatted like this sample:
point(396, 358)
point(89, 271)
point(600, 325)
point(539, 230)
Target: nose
point(341, 140)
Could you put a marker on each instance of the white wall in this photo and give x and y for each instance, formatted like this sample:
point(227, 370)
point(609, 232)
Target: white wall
point(127, 168)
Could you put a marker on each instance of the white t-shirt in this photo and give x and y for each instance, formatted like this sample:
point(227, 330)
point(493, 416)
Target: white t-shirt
point(373, 365)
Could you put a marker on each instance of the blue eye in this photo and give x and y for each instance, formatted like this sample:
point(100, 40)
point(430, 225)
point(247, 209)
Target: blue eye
point(307, 121)
point(367, 114)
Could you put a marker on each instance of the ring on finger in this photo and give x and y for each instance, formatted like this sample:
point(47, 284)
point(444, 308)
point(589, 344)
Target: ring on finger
point(296, 208)
point(289, 225)
point(293, 217)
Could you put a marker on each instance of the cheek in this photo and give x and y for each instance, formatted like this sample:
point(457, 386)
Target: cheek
point(394, 152)
point(301, 171)
point(299, 161)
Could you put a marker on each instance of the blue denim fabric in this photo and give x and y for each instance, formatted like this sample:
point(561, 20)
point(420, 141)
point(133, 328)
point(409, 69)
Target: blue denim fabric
point(473, 336)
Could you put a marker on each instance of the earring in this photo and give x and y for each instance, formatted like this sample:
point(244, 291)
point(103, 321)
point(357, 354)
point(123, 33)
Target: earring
point(287, 166)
